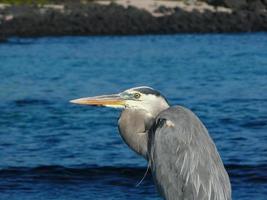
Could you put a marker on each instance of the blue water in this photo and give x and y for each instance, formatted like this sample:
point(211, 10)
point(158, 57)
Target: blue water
point(51, 149)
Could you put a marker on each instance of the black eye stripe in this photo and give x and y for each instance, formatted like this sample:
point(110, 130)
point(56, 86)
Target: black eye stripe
point(148, 91)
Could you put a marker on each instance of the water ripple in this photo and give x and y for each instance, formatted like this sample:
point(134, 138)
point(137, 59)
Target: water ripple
point(238, 173)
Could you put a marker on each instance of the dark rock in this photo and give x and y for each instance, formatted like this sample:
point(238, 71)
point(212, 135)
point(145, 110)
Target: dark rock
point(163, 10)
point(3, 39)
point(255, 5)
point(236, 4)
point(216, 2)
point(264, 2)
point(95, 19)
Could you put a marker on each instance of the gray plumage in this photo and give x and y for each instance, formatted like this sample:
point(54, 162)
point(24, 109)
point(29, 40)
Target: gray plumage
point(184, 160)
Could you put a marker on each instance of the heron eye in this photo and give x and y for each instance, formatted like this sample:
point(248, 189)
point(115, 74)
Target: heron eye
point(137, 95)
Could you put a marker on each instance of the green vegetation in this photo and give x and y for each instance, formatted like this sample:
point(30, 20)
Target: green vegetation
point(24, 1)
point(34, 2)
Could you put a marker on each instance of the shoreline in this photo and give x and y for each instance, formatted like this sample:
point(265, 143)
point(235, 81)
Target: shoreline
point(120, 19)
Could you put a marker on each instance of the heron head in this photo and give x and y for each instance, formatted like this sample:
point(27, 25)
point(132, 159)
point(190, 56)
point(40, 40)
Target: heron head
point(141, 98)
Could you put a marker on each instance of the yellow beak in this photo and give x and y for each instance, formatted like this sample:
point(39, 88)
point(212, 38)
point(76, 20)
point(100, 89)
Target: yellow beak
point(105, 100)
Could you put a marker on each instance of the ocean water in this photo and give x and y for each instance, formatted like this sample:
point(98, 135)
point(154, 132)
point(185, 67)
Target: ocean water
point(51, 149)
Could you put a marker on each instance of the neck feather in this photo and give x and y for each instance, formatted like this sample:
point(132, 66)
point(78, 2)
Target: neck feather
point(133, 127)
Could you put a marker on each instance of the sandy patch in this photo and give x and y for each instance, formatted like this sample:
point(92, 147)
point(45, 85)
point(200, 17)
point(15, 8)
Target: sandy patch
point(152, 5)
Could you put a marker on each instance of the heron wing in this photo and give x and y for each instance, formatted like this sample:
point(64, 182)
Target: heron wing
point(184, 160)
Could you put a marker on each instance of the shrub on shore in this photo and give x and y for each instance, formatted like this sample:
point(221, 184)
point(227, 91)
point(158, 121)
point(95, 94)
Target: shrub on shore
point(38, 2)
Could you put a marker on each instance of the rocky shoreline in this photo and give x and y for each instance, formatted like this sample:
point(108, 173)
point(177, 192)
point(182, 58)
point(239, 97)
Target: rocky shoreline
point(114, 19)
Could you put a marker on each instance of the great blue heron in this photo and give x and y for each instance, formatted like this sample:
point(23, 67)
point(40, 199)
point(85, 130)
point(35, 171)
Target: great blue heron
point(184, 161)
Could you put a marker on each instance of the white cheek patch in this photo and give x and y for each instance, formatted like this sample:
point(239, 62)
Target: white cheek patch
point(148, 102)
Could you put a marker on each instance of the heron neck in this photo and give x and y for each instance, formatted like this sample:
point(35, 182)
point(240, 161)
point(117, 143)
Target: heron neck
point(133, 127)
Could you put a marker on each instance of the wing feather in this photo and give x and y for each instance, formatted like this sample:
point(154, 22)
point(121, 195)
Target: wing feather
point(184, 160)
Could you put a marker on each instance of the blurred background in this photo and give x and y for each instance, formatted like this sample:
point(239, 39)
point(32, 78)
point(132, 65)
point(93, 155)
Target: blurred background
point(209, 56)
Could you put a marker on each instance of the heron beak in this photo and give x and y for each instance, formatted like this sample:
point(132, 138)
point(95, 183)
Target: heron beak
point(113, 100)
